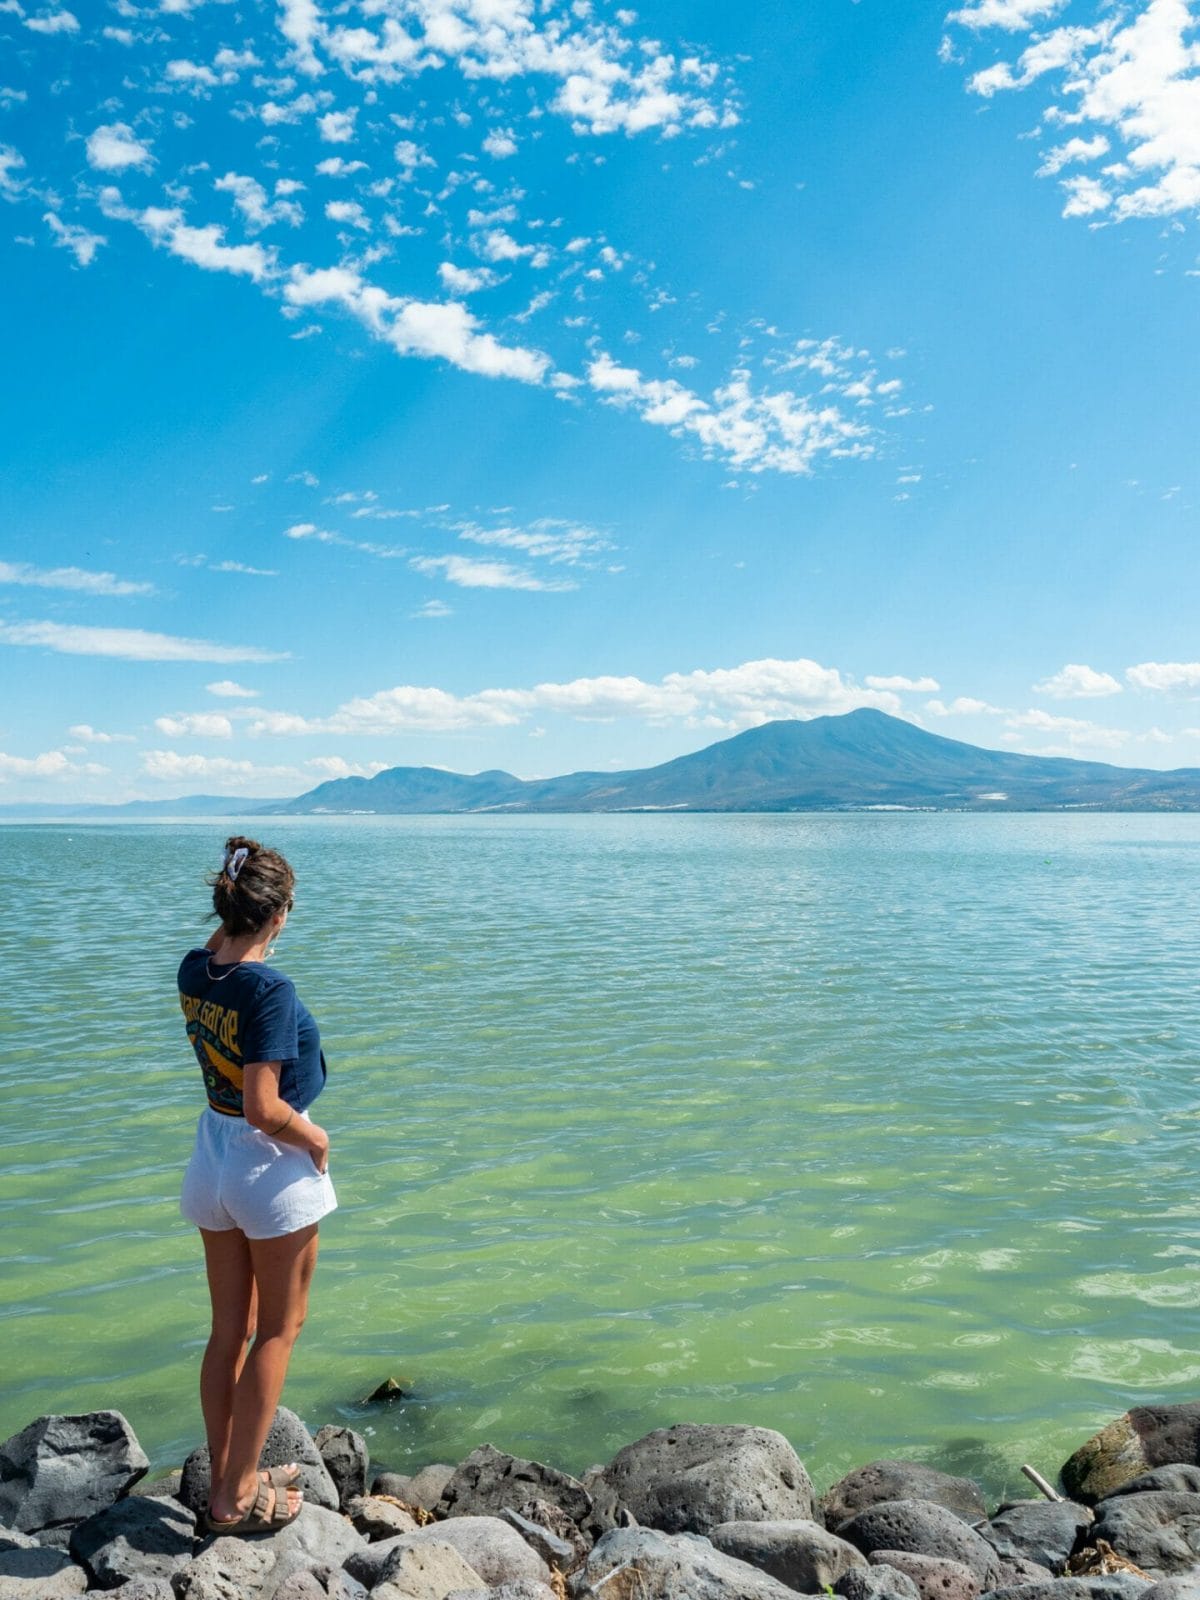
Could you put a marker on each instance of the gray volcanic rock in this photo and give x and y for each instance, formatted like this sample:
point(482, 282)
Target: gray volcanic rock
point(876, 1582)
point(694, 1476)
point(232, 1567)
point(1016, 1569)
point(1182, 1588)
point(346, 1459)
point(926, 1529)
point(900, 1480)
point(140, 1537)
point(548, 1530)
point(1178, 1478)
point(287, 1440)
point(1045, 1531)
point(936, 1577)
point(661, 1566)
point(376, 1518)
point(424, 1489)
point(319, 1583)
point(1159, 1531)
point(490, 1480)
point(1146, 1437)
point(59, 1470)
point(424, 1569)
point(525, 1590)
point(799, 1553)
point(491, 1546)
point(37, 1574)
point(144, 1589)
point(1111, 1586)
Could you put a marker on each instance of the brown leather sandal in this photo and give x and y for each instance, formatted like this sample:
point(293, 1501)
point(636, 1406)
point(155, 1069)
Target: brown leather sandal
point(268, 1514)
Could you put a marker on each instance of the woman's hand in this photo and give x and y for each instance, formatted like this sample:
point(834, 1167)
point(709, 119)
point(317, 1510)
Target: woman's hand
point(318, 1145)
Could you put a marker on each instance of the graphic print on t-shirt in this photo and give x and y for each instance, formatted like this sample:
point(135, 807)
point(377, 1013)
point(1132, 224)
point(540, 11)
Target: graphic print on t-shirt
point(213, 1030)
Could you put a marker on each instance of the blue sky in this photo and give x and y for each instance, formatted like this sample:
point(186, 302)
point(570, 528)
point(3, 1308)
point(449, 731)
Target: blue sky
point(511, 383)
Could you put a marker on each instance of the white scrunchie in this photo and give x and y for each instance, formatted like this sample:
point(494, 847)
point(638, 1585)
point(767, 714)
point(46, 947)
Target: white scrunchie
point(234, 862)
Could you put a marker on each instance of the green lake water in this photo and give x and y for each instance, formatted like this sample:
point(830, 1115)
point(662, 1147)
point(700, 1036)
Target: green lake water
point(879, 1130)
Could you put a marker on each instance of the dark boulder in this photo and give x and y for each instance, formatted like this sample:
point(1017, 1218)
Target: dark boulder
point(423, 1489)
point(38, 1574)
point(801, 1554)
point(1112, 1586)
point(900, 1480)
point(925, 1529)
point(876, 1582)
point(1144, 1438)
point(1045, 1531)
point(139, 1537)
point(346, 1459)
point(1178, 1478)
point(694, 1476)
point(1158, 1531)
point(59, 1470)
point(287, 1440)
point(490, 1481)
point(936, 1577)
point(646, 1564)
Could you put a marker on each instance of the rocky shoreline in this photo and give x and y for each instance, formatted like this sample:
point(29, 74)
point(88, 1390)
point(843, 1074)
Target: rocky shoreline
point(691, 1512)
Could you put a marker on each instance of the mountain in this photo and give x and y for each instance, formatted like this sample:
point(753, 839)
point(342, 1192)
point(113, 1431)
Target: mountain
point(191, 805)
point(860, 760)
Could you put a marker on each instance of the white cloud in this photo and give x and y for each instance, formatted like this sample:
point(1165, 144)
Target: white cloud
point(501, 142)
point(904, 685)
point(1165, 675)
point(338, 167)
point(337, 767)
point(1078, 682)
point(11, 161)
point(127, 644)
point(431, 609)
point(549, 538)
point(1134, 75)
point(765, 431)
point(466, 280)
point(196, 724)
point(50, 764)
point(471, 574)
point(205, 247)
point(250, 198)
point(168, 766)
point(337, 127)
point(115, 147)
point(723, 699)
point(1076, 732)
point(445, 330)
point(962, 705)
point(86, 734)
point(227, 689)
point(74, 237)
point(349, 212)
point(77, 578)
point(53, 22)
point(1010, 15)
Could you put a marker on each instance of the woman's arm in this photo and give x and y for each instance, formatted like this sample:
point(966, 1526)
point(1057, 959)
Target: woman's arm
point(268, 1112)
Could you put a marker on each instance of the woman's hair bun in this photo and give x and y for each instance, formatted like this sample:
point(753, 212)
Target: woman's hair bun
point(252, 885)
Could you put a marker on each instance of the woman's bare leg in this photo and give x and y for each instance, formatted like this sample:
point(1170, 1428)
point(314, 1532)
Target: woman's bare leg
point(282, 1270)
point(231, 1290)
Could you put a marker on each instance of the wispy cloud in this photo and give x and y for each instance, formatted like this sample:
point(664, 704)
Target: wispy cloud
point(127, 644)
point(195, 725)
point(468, 573)
point(77, 578)
point(227, 689)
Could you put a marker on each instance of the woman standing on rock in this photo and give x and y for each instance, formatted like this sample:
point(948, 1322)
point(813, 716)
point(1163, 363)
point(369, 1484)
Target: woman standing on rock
point(257, 1183)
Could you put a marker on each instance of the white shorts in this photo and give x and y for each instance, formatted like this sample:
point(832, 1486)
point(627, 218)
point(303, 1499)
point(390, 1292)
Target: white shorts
point(239, 1177)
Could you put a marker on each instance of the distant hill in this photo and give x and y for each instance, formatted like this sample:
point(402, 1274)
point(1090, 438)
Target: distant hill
point(861, 760)
point(192, 805)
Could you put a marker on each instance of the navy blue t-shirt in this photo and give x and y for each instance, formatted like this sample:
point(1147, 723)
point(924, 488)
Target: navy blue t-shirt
point(246, 1013)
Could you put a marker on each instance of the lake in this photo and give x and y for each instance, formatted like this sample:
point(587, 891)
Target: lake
point(876, 1129)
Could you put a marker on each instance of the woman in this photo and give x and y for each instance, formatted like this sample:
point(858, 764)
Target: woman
point(257, 1183)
